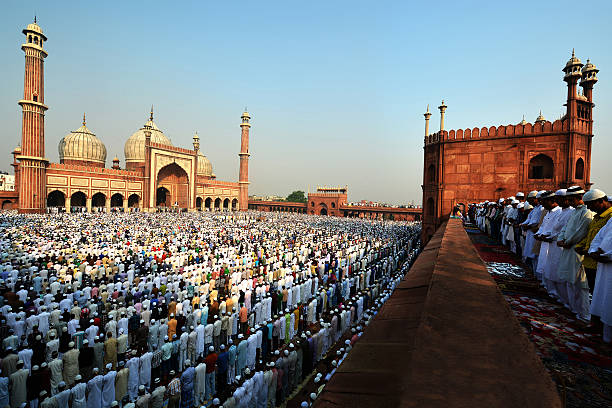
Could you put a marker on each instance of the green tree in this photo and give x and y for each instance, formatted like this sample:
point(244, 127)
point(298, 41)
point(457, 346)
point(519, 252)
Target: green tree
point(296, 197)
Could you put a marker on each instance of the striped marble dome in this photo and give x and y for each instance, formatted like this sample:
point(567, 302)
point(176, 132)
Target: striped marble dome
point(82, 147)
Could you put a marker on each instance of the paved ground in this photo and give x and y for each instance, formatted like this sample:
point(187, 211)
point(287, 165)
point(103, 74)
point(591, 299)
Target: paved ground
point(579, 361)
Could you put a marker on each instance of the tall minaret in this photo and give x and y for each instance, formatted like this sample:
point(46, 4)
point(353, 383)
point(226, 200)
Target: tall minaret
point(442, 110)
point(243, 199)
point(427, 116)
point(32, 162)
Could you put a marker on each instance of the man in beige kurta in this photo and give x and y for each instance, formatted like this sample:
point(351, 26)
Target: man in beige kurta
point(110, 351)
point(121, 382)
point(71, 365)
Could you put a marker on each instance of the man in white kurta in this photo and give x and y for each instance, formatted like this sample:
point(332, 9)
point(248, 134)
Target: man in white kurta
point(571, 269)
point(94, 390)
point(601, 304)
point(543, 235)
point(199, 384)
point(108, 386)
point(144, 374)
point(133, 365)
point(77, 393)
point(557, 286)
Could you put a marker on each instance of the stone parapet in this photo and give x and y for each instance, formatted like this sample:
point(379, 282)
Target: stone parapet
point(445, 338)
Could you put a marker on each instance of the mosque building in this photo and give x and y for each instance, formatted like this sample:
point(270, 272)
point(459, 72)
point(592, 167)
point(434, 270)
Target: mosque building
point(474, 165)
point(157, 174)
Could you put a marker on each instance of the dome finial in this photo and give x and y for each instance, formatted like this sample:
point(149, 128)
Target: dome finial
point(84, 119)
point(573, 54)
point(427, 108)
point(151, 117)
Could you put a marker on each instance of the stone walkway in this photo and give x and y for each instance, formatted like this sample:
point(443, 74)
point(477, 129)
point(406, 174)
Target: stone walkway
point(579, 361)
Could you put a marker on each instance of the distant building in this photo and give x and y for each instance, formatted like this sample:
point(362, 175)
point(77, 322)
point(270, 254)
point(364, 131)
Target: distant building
point(7, 182)
point(332, 201)
point(474, 165)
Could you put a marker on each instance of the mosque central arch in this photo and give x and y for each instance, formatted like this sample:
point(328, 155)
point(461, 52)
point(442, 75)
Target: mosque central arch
point(172, 187)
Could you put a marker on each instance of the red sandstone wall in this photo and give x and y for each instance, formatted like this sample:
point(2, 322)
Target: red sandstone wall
point(473, 165)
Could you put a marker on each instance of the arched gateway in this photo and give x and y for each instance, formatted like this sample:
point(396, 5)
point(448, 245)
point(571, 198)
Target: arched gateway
point(172, 187)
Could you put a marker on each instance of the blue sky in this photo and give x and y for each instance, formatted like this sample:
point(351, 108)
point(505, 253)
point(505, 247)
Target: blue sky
point(336, 89)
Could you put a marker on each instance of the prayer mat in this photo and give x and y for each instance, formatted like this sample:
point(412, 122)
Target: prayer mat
point(579, 362)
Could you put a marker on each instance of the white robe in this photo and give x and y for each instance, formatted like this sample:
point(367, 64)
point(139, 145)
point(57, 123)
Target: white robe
point(601, 304)
point(551, 270)
point(133, 366)
point(145, 369)
point(532, 219)
point(571, 270)
point(199, 384)
point(108, 389)
point(545, 229)
point(78, 395)
point(94, 392)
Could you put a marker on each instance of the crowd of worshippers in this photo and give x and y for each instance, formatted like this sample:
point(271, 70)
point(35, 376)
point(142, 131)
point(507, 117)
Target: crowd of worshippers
point(564, 236)
point(186, 310)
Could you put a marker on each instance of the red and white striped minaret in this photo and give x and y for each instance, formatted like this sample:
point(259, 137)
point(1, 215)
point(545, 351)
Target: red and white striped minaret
point(243, 181)
point(32, 162)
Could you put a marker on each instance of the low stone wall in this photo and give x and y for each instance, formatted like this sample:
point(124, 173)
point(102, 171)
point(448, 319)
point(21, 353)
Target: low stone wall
point(445, 338)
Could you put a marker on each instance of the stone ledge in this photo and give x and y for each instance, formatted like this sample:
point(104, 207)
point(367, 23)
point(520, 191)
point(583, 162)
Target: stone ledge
point(445, 338)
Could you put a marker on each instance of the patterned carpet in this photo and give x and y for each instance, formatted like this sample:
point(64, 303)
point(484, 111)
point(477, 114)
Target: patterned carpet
point(579, 361)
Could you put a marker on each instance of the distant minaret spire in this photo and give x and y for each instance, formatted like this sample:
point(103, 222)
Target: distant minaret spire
point(84, 119)
point(151, 117)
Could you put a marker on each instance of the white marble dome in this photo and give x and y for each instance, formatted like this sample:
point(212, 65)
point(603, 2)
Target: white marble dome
point(204, 165)
point(134, 148)
point(82, 145)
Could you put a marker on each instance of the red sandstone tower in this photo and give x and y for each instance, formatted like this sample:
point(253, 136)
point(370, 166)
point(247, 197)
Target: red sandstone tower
point(32, 164)
point(243, 180)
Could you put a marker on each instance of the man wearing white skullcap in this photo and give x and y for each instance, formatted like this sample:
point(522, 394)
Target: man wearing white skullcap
point(108, 386)
point(94, 390)
point(552, 282)
point(570, 269)
point(544, 235)
point(599, 244)
point(601, 306)
point(531, 249)
point(78, 392)
point(596, 201)
point(511, 218)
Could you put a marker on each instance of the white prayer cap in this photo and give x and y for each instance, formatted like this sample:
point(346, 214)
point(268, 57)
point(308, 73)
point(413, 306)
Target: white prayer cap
point(216, 401)
point(109, 366)
point(515, 201)
point(501, 200)
point(247, 371)
point(574, 190)
point(313, 396)
point(519, 194)
point(78, 377)
point(304, 404)
point(286, 352)
point(561, 192)
point(593, 194)
point(211, 348)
